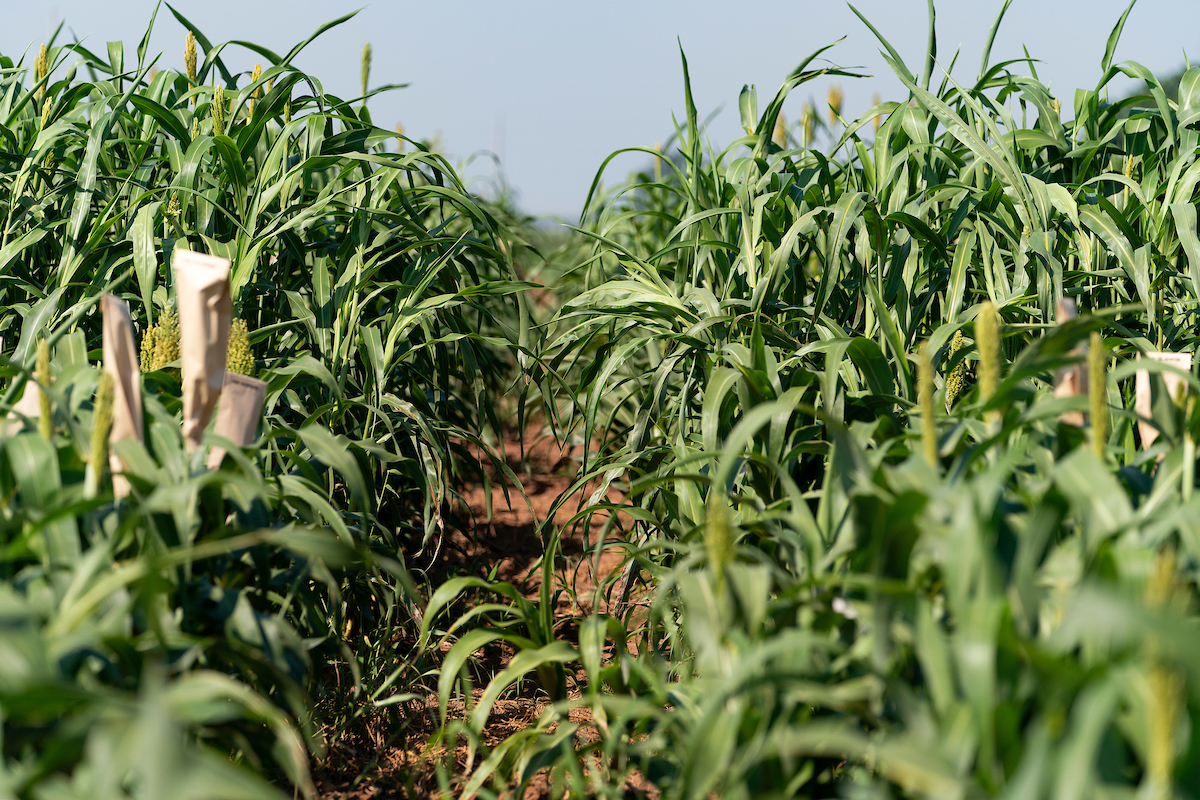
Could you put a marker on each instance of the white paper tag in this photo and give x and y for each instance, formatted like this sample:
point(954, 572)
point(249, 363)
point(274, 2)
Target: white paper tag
point(1144, 405)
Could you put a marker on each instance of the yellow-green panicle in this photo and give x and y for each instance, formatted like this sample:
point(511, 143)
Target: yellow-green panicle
point(102, 422)
point(160, 343)
point(1167, 686)
point(46, 420)
point(718, 538)
point(366, 68)
point(1097, 389)
point(42, 67)
point(255, 76)
point(987, 343)
point(929, 438)
point(238, 357)
point(808, 122)
point(218, 111)
point(958, 375)
point(189, 56)
point(835, 103)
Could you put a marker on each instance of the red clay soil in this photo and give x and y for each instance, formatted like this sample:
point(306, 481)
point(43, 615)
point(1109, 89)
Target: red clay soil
point(510, 543)
point(369, 764)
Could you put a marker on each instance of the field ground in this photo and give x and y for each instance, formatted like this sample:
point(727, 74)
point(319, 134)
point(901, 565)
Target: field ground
point(374, 763)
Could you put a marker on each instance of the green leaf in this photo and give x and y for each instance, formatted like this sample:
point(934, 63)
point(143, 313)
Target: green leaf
point(522, 663)
point(160, 115)
point(1110, 46)
point(748, 108)
point(34, 463)
point(873, 365)
point(958, 274)
point(1184, 215)
point(145, 257)
point(1189, 97)
point(334, 451)
point(848, 209)
point(1094, 494)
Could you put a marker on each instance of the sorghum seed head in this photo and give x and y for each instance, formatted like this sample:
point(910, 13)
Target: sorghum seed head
point(42, 65)
point(160, 343)
point(987, 342)
point(46, 418)
point(238, 357)
point(218, 111)
point(835, 103)
point(925, 399)
point(366, 66)
point(957, 376)
point(189, 56)
point(1097, 391)
point(254, 95)
point(719, 537)
point(102, 421)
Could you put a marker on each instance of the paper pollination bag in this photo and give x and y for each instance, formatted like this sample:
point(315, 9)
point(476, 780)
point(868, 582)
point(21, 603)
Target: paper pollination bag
point(238, 414)
point(1071, 381)
point(29, 405)
point(204, 307)
point(121, 361)
point(1144, 399)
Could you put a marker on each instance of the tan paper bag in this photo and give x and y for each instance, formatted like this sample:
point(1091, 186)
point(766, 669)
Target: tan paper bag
point(30, 405)
point(1071, 381)
point(121, 361)
point(205, 309)
point(1144, 401)
point(238, 413)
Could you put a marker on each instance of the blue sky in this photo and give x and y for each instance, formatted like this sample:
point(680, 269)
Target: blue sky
point(553, 87)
